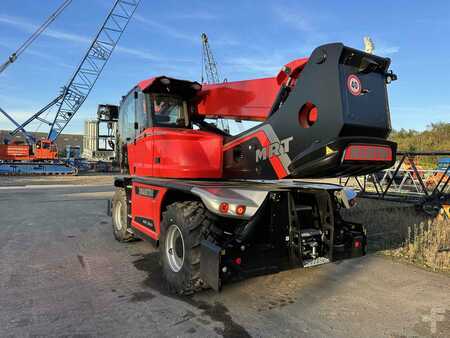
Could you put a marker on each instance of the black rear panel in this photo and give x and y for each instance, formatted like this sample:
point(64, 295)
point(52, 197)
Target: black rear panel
point(366, 113)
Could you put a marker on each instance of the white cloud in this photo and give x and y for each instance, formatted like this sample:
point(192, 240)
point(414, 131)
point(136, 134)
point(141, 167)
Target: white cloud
point(254, 65)
point(385, 50)
point(74, 38)
point(19, 116)
point(195, 15)
point(418, 118)
point(142, 54)
point(294, 19)
point(25, 25)
point(168, 30)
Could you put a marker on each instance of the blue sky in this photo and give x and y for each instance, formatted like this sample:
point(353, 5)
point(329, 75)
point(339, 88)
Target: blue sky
point(250, 39)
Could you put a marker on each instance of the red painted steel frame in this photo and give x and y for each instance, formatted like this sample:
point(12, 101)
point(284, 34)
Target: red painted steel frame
point(147, 207)
point(247, 100)
point(176, 153)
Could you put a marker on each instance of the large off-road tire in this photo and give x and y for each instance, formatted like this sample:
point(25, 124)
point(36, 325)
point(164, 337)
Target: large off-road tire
point(119, 216)
point(183, 226)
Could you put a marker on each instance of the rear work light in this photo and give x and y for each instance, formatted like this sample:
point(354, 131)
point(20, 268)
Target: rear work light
point(368, 153)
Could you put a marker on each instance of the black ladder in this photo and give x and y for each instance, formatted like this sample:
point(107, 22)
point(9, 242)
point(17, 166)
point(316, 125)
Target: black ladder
point(295, 238)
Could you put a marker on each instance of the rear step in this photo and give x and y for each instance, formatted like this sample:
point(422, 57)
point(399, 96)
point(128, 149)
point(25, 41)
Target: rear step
point(313, 262)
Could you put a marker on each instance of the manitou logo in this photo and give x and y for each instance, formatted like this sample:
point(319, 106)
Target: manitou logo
point(273, 149)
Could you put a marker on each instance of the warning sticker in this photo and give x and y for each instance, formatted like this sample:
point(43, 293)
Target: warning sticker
point(354, 85)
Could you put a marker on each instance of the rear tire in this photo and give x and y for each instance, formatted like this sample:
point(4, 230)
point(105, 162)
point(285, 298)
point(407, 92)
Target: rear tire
point(120, 216)
point(183, 226)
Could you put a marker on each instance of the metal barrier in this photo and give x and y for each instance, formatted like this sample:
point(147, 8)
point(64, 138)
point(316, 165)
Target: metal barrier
point(405, 181)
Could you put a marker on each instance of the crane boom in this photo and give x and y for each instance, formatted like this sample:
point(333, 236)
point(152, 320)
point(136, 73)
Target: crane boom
point(209, 66)
point(81, 83)
point(209, 63)
point(79, 86)
point(13, 57)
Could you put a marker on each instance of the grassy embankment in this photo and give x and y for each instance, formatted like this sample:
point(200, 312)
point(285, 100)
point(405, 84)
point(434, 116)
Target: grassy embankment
point(435, 138)
point(400, 231)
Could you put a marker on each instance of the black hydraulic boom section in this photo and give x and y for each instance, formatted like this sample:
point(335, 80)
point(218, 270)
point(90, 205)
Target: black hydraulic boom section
point(79, 86)
point(347, 90)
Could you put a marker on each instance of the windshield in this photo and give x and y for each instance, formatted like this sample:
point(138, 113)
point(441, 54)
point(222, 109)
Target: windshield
point(168, 110)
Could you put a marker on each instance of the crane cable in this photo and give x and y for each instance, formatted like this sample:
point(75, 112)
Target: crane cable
point(35, 35)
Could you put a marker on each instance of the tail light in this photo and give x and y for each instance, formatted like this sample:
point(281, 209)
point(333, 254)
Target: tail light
point(368, 153)
point(223, 207)
point(240, 210)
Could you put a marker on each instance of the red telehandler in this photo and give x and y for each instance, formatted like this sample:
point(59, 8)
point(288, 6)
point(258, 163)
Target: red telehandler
point(222, 207)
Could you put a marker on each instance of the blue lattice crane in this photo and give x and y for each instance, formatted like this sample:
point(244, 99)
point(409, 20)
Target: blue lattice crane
point(15, 55)
point(77, 89)
point(75, 92)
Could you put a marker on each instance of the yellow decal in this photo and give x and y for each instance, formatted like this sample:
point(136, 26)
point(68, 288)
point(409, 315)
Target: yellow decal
point(329, 151)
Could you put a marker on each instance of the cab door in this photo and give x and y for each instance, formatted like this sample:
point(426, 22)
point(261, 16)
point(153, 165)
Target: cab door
point(143, 143)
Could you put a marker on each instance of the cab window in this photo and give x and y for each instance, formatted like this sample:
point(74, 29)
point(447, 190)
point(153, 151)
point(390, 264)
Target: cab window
point(127, 118)
point(141, 113)
point(168, 111)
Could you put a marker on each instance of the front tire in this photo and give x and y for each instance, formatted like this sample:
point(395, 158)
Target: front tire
point(120, 216)
point(183, 226)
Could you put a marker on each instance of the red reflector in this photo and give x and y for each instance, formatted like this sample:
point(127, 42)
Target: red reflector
point(223, 207)
point(368, 153)
point(312, 117)
point(357, 244)
point(240, 210)
point(238, 261)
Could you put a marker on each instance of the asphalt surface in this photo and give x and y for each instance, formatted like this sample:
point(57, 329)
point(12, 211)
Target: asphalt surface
point(63, 274)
